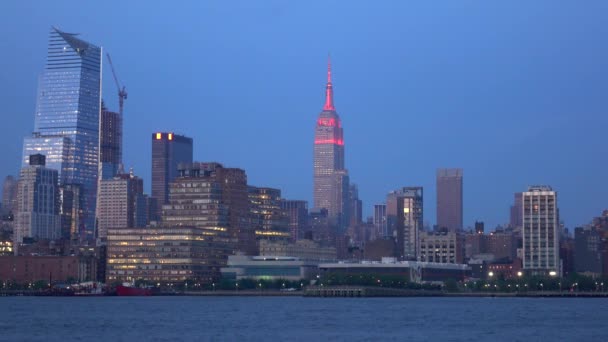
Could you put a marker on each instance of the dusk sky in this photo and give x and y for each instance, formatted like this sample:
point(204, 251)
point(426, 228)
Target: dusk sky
point(515, 93)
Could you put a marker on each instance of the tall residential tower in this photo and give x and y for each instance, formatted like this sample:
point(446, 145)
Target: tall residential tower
point(331, 182)
point(66, 126)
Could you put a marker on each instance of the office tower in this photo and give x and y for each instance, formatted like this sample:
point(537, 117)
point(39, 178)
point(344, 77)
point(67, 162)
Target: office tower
point(110, 143)
point(66, 125)
point(215, 198)
point(168, 151)
point(404, 216)
point(516, 211)
point(9, 194)
point(380, 224)
point(297, 214)
point(118, 204)
point(330, 178)
point(37, 202)
point(71, 211)
point(355, 207)
point(449, 199)
point(166, 255)
point(540, 231)
point(269, 220)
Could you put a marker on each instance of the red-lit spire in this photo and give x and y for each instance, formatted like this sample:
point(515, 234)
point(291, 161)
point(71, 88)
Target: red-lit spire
point(329, 91)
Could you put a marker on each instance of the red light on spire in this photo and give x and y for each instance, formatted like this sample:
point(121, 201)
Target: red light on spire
point(329, 91)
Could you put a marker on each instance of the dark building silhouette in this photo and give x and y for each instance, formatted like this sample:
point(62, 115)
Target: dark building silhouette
point(449, 199)
point(110, 143)
point(9, 194)
point(404, 214)
point(168, 150)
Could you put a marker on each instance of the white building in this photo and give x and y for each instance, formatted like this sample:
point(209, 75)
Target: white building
point(540, 231)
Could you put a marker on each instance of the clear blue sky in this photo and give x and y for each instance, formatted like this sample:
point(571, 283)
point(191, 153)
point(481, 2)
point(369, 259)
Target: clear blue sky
point(515, 93)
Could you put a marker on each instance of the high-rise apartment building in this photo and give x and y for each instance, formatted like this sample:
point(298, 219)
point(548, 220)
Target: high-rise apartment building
point(168, 151)
point(66, 125)
point(118, 204)
point(71, 211)
point(404, 213)
point(269, 220)
point(330, 177)
point(297, 214)
point(110, 143)
point(540, 231)
point(449, 199)
point(37, 202)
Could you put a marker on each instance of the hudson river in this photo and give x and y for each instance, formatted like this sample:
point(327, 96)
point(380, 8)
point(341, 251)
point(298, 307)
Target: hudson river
point(302, 319)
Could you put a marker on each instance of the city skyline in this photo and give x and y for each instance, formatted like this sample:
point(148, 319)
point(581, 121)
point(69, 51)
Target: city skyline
point(500, 129)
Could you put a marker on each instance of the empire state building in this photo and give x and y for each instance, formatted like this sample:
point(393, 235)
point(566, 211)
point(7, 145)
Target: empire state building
point(330, 178)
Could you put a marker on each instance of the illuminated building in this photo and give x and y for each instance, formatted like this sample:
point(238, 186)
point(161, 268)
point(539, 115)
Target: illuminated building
point(449, 199)
point(168, 150)
point(66, 126)
point(118, 203)
point(212, 197)
point(268, 268)
point(540, 231)
point(6, 247)
point(110, 143)
point(165, 254)
point(331, 182)
point(297, 213)
point(303, 249)
point(37, 202)
point(269, 220)
point(404, 212)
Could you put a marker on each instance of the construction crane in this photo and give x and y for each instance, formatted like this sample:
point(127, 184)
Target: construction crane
point(122, 92)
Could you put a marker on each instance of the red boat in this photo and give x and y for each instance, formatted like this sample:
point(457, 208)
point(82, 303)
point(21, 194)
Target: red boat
point(127, 289)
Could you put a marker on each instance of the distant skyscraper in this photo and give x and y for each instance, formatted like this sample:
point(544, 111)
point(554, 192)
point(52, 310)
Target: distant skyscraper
point(297, 213)
point(168, 150)
point(355, 206)
point(66, 126)
point(404, 213)
point(517, 211)
point(38, 202)
point(9, 194)
point(540, 231)
point(330, 178)
point(449, 199)
point(110, 142)
point(380, 221)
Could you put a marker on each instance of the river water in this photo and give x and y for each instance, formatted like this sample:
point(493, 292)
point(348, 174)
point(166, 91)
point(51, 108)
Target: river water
point(302, 319)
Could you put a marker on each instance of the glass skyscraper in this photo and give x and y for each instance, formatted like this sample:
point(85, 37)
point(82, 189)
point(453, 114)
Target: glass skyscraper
point(66, 126)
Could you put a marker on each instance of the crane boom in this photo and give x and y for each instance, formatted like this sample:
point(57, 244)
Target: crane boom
point(122, 91)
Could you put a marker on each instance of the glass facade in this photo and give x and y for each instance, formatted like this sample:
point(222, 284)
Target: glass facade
point(66, 126)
